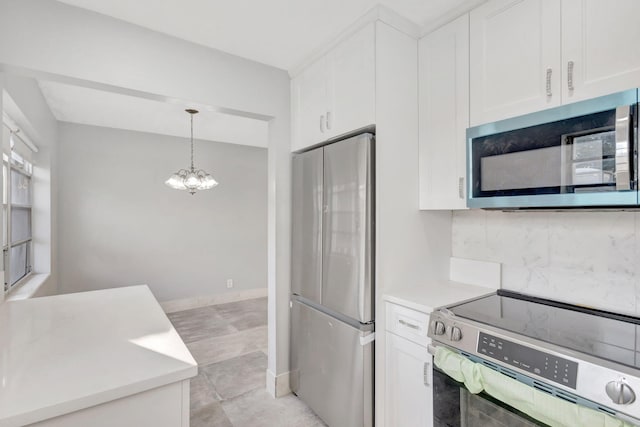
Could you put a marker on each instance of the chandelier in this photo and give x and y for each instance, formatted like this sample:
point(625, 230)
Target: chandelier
point(191, 179)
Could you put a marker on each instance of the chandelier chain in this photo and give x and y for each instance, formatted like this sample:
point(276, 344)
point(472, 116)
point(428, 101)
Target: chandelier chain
point(192, 168)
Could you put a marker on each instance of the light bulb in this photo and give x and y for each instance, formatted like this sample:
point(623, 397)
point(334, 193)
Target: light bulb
point(176, 181)
point(208, 182)
point(192, 181)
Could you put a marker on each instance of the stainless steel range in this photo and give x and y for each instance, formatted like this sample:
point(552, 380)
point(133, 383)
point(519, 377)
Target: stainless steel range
point(564, 355)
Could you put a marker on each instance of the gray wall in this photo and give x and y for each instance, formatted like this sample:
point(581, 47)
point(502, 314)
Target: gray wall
point(120, 225)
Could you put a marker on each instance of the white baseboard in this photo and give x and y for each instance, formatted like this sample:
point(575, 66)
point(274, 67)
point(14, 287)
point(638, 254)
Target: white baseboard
point(278, 385)
point(202, 301)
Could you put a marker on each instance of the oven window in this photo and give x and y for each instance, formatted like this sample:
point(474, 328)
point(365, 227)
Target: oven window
point(454, 406)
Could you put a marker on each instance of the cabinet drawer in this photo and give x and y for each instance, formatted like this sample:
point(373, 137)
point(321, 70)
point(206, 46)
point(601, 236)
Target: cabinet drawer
point(407, 323)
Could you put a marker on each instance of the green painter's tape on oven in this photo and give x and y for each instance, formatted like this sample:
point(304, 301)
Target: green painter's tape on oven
point(538, 405)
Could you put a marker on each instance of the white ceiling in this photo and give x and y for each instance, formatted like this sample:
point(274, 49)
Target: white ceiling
point(281, 33)
point(99, 108)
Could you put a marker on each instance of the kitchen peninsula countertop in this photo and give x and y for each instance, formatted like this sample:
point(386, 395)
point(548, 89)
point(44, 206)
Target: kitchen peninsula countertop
point(433, 294)
point(65, 353)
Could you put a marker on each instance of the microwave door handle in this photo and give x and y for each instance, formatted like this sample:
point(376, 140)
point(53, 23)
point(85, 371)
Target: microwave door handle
point(623, 148)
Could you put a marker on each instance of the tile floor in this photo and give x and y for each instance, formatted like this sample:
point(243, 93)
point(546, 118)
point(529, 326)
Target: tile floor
point(229, 342)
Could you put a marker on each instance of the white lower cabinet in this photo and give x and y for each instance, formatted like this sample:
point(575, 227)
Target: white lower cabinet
point(408, 370)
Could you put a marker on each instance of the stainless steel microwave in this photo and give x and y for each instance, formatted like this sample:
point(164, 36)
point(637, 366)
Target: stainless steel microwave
point(580, 155)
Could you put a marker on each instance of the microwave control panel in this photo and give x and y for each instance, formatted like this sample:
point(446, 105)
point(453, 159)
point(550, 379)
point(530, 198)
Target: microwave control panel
point(545, 365)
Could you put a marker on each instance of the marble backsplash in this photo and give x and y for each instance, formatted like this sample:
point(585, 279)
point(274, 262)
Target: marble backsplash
point(588, 258)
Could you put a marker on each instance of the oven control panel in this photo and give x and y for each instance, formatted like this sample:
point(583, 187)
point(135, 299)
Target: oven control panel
point(545, 365)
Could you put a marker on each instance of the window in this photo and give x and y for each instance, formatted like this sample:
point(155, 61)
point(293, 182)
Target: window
point(16, 215)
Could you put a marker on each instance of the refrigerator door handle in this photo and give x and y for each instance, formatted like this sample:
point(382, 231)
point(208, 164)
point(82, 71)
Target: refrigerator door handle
point(365, 238)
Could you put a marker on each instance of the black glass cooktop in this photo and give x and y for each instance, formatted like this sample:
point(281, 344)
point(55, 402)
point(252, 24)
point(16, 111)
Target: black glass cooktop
point(598, 333)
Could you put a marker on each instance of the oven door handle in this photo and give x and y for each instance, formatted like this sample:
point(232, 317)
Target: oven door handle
point(431, 349)
point(426, 374)
point(623, 148)
point(537, 404)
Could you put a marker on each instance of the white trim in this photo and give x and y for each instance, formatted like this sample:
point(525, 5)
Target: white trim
point(399, 22)
point(105, 87)
point(452, 15)
point(202, 301)
point(376, 13)
point(278, 385)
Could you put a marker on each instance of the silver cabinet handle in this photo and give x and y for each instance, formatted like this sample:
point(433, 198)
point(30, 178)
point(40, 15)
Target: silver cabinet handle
point(328, 119)
point(549, 72)
point(322, 123)
point(570, 75)
point(426, 370)
point(623, 148)
point(461, 187)
point(408, 325)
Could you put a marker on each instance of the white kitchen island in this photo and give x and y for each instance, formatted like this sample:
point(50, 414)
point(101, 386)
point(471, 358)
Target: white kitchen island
point(101, 358)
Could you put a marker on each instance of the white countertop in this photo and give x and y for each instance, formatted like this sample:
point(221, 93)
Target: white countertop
point(433, 294)
point(64, 353)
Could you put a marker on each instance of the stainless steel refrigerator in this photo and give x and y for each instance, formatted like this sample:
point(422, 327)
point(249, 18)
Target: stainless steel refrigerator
point(332, 301)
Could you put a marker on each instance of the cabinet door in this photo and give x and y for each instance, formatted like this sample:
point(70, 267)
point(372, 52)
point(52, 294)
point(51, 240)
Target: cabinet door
point(515, 58)
point(600, 44)
point(444, 115)
point(309, 105)
point(351, 100)
point(408, 394)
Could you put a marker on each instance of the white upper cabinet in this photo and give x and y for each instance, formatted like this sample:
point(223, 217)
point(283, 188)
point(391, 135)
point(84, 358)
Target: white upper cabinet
point(352, 83)
point(336, 93)
point(444, 115)
point(600, 47)
point(528, 55)
point(308, 104)
point(515, 58)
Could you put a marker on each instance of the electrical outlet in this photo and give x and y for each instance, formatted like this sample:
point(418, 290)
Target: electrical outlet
point(229, 283)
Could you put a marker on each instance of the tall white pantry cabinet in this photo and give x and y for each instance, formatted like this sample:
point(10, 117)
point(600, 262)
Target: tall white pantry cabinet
point(370, 77)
